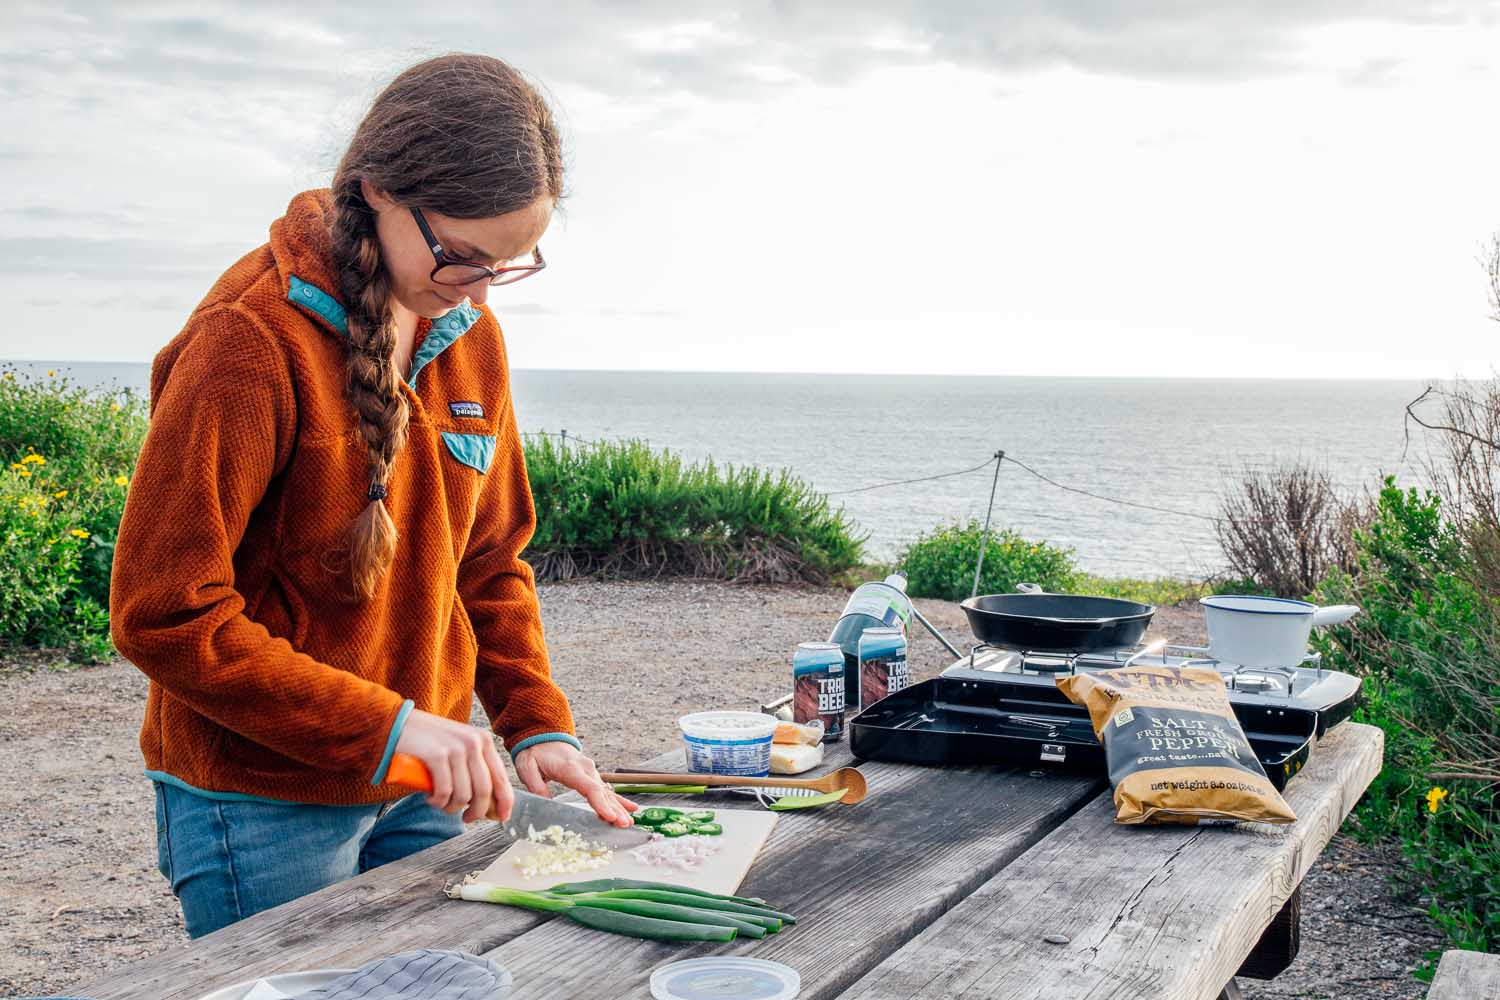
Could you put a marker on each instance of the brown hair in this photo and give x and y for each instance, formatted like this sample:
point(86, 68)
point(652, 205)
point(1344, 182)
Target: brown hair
point(464, 135)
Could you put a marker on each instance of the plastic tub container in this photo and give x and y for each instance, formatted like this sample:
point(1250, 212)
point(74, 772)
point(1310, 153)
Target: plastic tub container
point(728, 742)
point(720, 977)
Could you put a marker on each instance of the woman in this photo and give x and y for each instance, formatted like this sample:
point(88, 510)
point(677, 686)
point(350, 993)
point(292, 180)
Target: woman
point(319, 562)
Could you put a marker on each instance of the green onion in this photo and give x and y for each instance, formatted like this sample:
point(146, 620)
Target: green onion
point(610, 884)
point(633, 925)
point(636, 918)
point(701, 902)
point(687, 914)
point(484, 892)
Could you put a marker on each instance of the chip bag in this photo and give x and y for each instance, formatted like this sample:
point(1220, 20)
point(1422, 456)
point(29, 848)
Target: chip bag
point(1174, 749)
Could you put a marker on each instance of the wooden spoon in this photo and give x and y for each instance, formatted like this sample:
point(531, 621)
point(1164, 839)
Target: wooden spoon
point(844, 777)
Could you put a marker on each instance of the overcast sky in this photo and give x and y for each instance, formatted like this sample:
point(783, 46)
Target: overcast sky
point(1134, 187)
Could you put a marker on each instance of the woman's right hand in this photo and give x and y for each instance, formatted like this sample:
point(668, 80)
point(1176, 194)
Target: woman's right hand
point(467, 773)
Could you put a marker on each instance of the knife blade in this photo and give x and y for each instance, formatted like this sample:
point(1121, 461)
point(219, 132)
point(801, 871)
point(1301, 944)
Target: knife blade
point(531, 810)
point(541, 812)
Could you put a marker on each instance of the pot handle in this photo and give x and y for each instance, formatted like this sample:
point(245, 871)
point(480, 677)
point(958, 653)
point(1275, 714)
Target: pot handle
point(1334, 614)
point(1029, 588)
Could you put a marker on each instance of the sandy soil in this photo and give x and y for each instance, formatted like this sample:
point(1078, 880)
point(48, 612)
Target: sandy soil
point(79, 890)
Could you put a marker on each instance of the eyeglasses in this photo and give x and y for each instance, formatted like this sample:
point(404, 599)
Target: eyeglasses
point(456, 271)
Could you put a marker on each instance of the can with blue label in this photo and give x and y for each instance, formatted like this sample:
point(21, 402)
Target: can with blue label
point(818, 687)
point(882, 664)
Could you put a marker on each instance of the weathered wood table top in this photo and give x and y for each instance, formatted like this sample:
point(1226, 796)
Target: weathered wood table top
point(944, 882)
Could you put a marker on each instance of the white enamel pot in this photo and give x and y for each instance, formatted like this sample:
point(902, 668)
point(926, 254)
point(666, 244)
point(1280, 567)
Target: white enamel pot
point(1265, 631)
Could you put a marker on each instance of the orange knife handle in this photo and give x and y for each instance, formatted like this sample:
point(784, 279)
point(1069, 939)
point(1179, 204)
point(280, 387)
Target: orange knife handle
point(409, 771)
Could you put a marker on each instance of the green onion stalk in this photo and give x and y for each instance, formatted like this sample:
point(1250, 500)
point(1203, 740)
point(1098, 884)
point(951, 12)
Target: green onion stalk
point(655, 911)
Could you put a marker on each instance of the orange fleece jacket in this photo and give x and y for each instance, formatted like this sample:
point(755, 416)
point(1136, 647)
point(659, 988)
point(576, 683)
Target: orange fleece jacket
point(263, 682)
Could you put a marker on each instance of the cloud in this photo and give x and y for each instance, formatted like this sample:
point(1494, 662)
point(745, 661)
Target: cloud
point(660, 48)
point(56, 256)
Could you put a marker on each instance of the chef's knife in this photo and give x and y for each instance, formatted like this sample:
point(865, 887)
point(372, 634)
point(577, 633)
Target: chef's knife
point(531, 810)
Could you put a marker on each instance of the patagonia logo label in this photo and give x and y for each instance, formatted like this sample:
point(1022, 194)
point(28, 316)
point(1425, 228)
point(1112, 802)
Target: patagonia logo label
point(466, 409)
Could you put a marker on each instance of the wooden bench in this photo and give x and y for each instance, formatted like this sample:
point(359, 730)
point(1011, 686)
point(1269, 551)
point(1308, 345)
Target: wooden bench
point(1466, 975)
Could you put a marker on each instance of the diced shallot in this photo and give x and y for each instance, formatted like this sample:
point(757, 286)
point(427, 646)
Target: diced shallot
point(685, 853)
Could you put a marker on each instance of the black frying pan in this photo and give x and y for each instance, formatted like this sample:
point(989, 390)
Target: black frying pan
point(1057, 623)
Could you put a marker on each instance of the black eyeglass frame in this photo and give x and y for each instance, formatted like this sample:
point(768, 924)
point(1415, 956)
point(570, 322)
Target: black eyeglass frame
point(496, 276)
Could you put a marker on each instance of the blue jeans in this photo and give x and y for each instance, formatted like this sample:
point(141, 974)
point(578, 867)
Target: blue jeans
point(227, 860)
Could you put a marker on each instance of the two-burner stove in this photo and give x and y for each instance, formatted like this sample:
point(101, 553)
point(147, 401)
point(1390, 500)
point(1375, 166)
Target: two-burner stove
point(1001, 706)
point(1307, 685)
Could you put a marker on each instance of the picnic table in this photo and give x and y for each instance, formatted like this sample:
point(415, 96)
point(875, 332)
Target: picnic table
point(945, 882)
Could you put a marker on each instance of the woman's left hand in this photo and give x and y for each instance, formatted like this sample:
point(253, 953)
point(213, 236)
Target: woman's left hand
point(560, 762)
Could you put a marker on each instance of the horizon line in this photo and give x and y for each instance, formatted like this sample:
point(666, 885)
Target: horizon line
point(63, 362)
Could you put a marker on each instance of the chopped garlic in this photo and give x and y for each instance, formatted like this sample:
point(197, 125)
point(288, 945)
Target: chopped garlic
point(556, 851)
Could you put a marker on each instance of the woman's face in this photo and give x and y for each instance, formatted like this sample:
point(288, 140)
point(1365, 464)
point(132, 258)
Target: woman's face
point(494, 242)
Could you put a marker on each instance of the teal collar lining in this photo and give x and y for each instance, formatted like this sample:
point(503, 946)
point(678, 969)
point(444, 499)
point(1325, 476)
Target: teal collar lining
point(319, 303)
point(445, 329)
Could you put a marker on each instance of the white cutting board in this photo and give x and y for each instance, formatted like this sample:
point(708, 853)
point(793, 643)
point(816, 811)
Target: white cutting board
point(745, 832)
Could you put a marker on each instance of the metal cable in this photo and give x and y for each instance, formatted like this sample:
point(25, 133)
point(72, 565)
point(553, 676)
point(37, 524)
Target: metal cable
point(1099, 496)
point(922, 479)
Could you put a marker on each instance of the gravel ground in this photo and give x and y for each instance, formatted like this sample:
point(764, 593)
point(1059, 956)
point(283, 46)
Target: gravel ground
point(79, 890)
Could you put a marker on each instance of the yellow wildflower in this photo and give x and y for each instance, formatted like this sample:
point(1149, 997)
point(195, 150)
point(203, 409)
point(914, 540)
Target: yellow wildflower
point(79, 533)
point(1434, 796)
point(24, 472)
point(121, 481)
point(10, 376)
point(59, 494)
point(51, 373)
point(114, 407)
point(34, 459)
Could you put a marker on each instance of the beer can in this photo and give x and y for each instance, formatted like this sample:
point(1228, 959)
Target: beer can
point(818, 687)
point(882, 664)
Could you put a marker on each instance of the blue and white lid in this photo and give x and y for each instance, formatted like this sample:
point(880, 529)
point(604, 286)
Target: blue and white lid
point(721, 977)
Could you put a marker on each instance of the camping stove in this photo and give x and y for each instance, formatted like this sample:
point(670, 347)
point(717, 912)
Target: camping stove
point(1306, 685)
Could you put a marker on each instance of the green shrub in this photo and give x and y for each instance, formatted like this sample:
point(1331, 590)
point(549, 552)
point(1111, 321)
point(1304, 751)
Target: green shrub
point(622, 509)
point(1161, 592)
point(1427, 643)
point(941, 564)
point(68, 453)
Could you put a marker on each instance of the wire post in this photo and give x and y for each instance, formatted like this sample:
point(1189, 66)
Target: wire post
point(984, 538)
point(564, 439)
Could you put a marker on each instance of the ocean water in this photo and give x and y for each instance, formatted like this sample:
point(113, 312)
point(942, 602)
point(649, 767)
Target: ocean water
point(1169, 443)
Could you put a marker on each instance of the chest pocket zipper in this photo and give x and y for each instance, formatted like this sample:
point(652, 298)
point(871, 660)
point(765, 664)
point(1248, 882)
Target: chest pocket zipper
point(476, 451)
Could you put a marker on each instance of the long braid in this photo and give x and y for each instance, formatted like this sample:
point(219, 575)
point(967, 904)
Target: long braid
point(371, 381)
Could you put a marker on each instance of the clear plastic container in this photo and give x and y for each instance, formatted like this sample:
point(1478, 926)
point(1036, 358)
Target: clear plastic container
point(724, 978)
point(736, 743)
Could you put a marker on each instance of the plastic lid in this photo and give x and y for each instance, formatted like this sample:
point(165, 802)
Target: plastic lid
point(725, 978)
